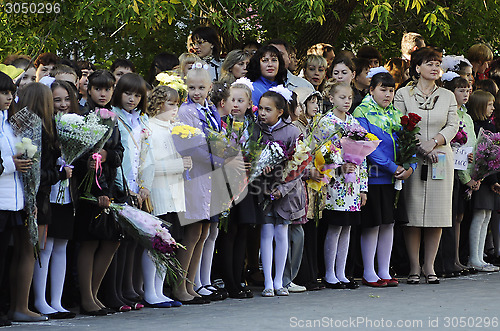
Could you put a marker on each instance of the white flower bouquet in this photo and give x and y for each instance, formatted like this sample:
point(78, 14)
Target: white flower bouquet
point(28, 125)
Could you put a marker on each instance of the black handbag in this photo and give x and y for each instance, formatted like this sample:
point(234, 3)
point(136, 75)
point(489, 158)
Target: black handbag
point(105, 226)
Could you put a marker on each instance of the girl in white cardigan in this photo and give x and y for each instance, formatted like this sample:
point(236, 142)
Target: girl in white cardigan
point(167, 192)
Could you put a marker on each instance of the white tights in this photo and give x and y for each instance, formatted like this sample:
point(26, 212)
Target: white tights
point(54, 254)
point(153, 282)
point(477, 235)
point(336, 249)
point(377, 239)
point(280, 234)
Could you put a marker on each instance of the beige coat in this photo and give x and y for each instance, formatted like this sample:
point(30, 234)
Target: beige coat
point(429, 202)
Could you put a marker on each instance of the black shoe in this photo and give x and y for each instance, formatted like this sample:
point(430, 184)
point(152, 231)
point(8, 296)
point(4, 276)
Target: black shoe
point(194, 301)
point(314, 286)
point(238, 294)
point(352, 284)
point(99, 312)
point(337, 286)
point(4, 322)
point(248, 292)
point(61, 315)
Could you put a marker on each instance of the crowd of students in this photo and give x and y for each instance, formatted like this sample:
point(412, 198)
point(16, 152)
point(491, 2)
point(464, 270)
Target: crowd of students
point(359, 234)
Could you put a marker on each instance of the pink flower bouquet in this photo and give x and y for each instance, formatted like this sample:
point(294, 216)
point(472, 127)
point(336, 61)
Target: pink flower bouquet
point(355, 151)
point(152, 233)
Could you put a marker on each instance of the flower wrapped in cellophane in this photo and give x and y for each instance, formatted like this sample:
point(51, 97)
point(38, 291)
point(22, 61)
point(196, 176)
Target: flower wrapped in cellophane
point(173, 80)
point(356, 146)
point(223, 144)
point(185, 138)
point(486, 155)
point(273, 153)
point(152, 233)
point(300, 158)
point(105, 118)
point(28, 125)
point(77, 135)
point(326, 160)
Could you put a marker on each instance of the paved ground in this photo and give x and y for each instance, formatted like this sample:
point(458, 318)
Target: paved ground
point(465, 303)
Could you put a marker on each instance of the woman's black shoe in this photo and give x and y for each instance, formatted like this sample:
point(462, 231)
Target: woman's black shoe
point(352, 285)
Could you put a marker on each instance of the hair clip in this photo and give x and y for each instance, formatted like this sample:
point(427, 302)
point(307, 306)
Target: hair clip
point(244, 81)
point(449, 76)
point(283, 91)
point(377, 70)
point(199, 65)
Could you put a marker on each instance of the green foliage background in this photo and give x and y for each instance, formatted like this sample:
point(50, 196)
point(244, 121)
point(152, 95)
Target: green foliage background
point(102, 31)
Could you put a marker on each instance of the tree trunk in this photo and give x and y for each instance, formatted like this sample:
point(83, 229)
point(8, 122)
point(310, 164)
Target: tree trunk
point(330, 29)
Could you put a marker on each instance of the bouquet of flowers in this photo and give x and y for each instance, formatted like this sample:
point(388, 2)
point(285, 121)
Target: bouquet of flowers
point(460, 138)
point(78, 135)
point(407, 146)
point(326, 160)
point(152, 233)
point(186, 137)
point(173, 80)
point(28, 125)
point(486, 156)
point(356, 145)
point(273, 153)
point(300, 158)
point(223, 144)
point(105, 118)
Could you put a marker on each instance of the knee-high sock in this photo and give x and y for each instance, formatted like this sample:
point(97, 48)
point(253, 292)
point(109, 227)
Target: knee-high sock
point(57, 274)
point(280, 253)
point(384, 249)
point(149, 275)
point(474, 236)
point(482, 236)
point(208, 255)
point(342, 251)
point(40, 279)
point(369, 238)
point(266, 253)
point(331, 246)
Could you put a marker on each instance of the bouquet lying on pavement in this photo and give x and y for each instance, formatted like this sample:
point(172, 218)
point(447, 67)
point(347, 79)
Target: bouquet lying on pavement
point(28, 125)
point(152, 233)
point(78, 135)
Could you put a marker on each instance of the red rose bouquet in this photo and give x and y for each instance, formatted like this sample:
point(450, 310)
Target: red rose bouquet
point(407, 143)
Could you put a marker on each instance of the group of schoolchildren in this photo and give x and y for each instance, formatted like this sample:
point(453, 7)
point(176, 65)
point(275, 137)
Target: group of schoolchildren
point(284, 246)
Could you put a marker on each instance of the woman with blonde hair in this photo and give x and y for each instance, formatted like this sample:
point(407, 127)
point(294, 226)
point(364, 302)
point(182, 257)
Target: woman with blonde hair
point(315, 67)
point(235, 65)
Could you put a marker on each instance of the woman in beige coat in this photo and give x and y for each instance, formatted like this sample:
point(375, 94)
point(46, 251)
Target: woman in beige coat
point(429, 199)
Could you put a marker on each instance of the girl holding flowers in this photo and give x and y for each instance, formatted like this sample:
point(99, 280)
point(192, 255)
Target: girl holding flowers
point(233, 242)
point(344, 198)
point(167, 190)
point(11, 210)
point(38, 99)
point(288, 198)
point(379, 117)
point(466, 137)
point(96, 254)
point(481, 106)
point(61, 228)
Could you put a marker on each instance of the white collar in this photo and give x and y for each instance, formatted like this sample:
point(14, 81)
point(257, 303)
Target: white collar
point(271, 128)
